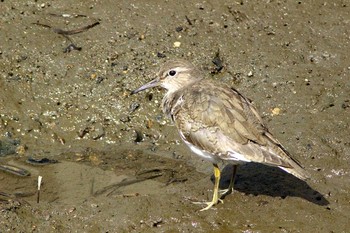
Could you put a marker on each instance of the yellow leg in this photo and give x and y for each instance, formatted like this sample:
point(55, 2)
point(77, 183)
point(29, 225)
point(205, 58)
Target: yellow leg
point(216, 198)
point(229, 190)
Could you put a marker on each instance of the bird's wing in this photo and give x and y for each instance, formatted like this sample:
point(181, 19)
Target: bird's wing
point(218, 109)
point(221, 121)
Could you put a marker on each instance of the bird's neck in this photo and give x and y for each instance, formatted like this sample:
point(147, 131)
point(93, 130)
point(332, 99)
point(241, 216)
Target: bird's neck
point(171, 102)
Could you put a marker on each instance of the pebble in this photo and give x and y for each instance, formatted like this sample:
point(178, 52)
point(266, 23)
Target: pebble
point(41, 161)
point(93, 205)
point(177, 44)
point(275, 111)
point(134, 106)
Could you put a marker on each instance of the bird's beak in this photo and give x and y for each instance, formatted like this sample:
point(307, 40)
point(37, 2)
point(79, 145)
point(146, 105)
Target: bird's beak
point(153, 83)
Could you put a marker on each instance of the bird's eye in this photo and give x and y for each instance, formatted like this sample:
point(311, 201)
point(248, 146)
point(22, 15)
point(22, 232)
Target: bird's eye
point(172, 72)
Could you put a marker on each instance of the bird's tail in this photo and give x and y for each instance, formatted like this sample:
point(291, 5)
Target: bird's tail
point(288, 162)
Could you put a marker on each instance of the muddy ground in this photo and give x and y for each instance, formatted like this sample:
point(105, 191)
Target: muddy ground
point(120, 164)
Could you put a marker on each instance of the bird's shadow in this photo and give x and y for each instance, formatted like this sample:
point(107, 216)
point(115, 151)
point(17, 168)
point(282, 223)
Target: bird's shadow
point(257, 179)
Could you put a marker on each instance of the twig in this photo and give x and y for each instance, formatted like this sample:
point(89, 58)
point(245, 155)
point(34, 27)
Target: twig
point(39, 184)
point(67, 33)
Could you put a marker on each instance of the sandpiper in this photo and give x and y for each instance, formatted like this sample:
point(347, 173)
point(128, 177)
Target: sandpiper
point(218, 123)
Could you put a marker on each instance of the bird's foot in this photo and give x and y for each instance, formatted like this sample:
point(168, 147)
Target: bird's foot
point(208, 203)
point(225, 192)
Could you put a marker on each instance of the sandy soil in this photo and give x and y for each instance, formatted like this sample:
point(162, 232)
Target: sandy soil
point(121, 166)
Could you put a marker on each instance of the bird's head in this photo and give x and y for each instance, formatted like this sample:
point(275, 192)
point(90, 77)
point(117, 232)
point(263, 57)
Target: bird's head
point(173, 76)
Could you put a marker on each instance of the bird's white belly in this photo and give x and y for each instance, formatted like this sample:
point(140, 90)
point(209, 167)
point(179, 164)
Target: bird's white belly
point(234, 157)
point(237, 158)
point(230, 156)
point(205, 155)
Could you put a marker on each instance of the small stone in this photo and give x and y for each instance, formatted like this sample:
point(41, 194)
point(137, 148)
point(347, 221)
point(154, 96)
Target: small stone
point(20, 150)
point(125, 119)
point(161, 55)
point(99, 79)
point(179, 29)
point(98, 132)
point(94, 205)
point(134, 106)
point(177, 44)
point(93, 76)
point(275, 111)
point(95, 160)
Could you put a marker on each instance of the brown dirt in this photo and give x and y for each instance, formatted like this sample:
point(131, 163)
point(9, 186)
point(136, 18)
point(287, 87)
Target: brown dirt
point(75, 108)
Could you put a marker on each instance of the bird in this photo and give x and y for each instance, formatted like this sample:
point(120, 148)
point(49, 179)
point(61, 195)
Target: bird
point(218, 124)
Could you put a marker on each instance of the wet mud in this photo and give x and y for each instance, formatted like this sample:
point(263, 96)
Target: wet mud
point(112, 162)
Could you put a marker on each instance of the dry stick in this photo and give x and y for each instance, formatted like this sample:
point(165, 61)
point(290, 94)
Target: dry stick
point(74, 31)
point(66, 33)
point(39, 184)
point(65, 15)
point(188, 20)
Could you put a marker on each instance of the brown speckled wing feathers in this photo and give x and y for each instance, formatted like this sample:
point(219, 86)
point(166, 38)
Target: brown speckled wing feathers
point(222, 122)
